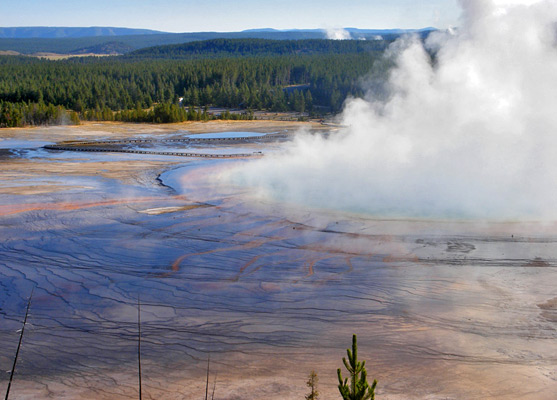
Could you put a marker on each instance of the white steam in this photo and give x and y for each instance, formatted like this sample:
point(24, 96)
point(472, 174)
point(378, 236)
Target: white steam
point(506, 3)
point(338, 34)
point(472, 133)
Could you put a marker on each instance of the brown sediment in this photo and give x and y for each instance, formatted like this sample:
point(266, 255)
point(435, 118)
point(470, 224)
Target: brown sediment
point(9, 209)
point(120, 130)
point(550, 304)
point(250, 245)
point(538, 262)
point(249, 264)
point(549, 309)
point(18, 175)
point(38, 189)
point(393, 259)
point(310, 265)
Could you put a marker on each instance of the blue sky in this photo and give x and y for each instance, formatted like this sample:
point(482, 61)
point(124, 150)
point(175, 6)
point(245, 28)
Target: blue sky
point(219, 15)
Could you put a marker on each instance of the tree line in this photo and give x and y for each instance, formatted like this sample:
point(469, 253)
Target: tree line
point(103, 88)
point(20, 114)
point(219, 48)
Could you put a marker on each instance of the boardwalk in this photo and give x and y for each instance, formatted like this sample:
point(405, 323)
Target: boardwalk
point(102, 146)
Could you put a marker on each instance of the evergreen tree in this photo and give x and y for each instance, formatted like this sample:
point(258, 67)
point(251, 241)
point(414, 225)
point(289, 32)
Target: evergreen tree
point(309, 100)
point(312, 384)
point(359, 388)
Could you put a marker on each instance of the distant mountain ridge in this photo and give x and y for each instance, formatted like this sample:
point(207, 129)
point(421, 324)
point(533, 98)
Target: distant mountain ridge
point(351, 30)
point(104, 40)
point(52, 32)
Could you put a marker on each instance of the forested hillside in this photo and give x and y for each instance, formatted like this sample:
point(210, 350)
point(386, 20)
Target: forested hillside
point(268, 77)
point(259, 47)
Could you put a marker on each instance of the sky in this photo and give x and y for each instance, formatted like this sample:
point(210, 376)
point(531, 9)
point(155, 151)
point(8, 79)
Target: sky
point(227, 16)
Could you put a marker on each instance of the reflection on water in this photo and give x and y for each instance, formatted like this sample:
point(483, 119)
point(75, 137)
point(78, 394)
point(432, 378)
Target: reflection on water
point(442, 310)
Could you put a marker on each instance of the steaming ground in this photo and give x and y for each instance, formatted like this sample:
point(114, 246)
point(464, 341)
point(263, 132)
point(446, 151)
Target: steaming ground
point(442, 309)
point(469, 132)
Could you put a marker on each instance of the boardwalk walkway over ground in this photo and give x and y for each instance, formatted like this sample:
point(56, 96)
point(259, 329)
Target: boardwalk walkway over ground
point(116, 146)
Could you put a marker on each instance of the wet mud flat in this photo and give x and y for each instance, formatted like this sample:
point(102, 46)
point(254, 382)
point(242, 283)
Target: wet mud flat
point(457, 310)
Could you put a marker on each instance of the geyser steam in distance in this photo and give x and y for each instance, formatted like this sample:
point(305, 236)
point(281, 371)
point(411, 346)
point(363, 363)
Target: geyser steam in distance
point(472, 134)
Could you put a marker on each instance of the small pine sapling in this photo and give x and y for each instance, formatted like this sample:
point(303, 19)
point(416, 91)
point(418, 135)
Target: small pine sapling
point(358, 388)
point(312, 383)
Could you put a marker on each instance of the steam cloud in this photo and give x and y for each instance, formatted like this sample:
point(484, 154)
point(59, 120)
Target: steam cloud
point(472, 134)
point(338, 34)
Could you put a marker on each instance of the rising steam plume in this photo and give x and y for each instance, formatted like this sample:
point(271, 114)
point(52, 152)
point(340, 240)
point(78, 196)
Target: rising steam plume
point(468, 133)
point(338, 34)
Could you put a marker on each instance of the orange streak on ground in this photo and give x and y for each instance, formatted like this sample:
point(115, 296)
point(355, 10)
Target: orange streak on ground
point(267, 227)
point(250, 263)
point(247, 265)
point(317, 247)
point(393, 259)
point(250, 245)
point(349, 264)
point(311, 265)
point(310, 272)
point(10, 209)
